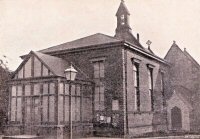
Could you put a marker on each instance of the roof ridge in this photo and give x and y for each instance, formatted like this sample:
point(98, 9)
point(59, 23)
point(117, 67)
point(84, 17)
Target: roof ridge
point(97, 35)
point(67, 42)
point(173, 45)
point(185, 53)
point(47, 55)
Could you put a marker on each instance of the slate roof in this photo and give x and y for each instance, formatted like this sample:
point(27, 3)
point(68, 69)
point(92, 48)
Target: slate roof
point(191, 58)
point(92, 40)
point(185, 53)
point(122, 9)
point(58, 65)
point(95, 39)
point(55, 64)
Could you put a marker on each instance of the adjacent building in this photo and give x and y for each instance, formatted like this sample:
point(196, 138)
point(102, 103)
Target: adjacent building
point(184, 95)
point(121, 88)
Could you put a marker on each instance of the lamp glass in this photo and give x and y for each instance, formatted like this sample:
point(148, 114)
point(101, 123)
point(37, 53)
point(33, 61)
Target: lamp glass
point(70, 73)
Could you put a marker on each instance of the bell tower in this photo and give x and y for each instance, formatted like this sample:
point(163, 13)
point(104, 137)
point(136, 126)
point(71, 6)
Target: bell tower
point(122, 19)
point(123, 30)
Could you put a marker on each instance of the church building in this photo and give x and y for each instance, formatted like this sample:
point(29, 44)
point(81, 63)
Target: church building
point(121, 88)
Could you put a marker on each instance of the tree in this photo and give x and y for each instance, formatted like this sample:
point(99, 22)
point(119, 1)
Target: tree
point(4, 77)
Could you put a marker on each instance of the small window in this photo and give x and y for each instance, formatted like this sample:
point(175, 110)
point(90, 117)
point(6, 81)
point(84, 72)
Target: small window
point(122, 19)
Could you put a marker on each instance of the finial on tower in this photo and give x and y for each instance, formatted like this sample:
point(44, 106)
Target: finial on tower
point(122, 1)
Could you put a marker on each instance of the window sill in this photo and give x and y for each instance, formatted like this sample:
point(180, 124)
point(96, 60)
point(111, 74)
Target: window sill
point(143, 112)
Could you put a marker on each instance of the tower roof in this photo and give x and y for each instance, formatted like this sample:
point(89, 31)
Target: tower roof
point(122, 9)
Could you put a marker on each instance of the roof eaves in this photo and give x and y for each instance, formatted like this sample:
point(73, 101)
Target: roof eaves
point(98, 46)
point(23, 62)
point(146, 53)
point(87, 37)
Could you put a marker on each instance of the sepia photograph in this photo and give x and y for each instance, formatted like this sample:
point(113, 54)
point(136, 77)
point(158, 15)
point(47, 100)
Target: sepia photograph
point(99, 69)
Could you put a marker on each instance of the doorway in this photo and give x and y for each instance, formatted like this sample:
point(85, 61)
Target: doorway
point(176, 118)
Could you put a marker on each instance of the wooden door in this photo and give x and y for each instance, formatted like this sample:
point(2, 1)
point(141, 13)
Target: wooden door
point(176, 118)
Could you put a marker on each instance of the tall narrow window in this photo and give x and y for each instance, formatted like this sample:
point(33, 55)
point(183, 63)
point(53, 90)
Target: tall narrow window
point(150, 80)
point(99, 85)
point(162, 89)
point(36, 104)
point(16, 104)
point(13, 103)
point(48, 102)
point(87, 103)
point(136, 86)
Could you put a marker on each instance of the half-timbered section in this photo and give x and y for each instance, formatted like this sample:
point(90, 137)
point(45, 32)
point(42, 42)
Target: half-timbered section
point(41, 102)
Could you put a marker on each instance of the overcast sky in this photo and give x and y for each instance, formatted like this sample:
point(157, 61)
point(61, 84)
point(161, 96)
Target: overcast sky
point(27, 25)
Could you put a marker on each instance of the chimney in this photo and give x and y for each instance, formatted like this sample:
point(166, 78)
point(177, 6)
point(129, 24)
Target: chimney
point(138, 37)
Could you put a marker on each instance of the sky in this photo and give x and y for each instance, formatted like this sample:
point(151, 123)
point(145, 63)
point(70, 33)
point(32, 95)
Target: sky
point(27, 25)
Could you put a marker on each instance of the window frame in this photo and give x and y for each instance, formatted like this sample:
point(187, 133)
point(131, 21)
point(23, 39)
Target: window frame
point(150, 69)
point(162, 85)
point(16, 97)
point(136, 77)
point(99, 105)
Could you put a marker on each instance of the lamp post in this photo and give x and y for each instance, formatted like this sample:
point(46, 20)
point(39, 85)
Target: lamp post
point(70, 74)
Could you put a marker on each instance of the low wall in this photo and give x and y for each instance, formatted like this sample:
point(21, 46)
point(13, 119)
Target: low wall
point(51, 131)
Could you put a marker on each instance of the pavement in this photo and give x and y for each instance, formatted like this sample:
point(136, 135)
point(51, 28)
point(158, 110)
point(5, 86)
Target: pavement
point(86, 138)
point(169, 137)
